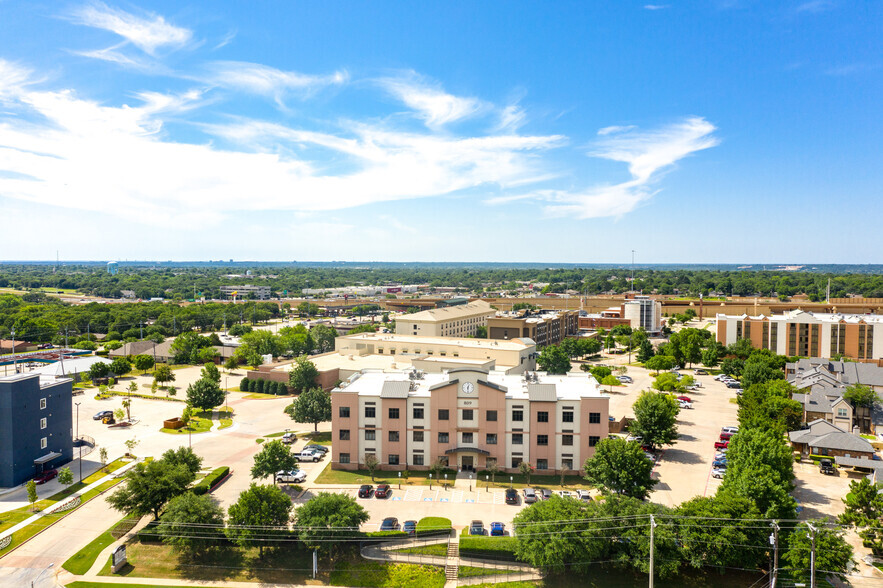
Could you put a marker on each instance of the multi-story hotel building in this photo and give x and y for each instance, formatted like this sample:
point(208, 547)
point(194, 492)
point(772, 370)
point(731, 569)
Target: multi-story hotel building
point(468, 419)
point(543, 327)
point(461, 320)
point(808, 334)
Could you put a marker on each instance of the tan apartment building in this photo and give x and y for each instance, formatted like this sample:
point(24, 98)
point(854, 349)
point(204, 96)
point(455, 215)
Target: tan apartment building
point(638, 312)
point(450, 321)
point(542, 327)
point(467, 418)
point(808, 334)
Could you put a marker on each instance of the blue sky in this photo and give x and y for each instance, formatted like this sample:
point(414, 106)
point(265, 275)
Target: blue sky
point(693, 132)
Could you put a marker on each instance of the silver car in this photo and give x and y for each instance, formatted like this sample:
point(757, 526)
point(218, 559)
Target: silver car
point(530, 495)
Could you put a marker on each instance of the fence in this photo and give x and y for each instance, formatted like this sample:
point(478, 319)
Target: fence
point(85, 444)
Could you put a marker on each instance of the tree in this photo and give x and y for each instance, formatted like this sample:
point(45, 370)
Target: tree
point(435, 468)
point(102, 456)
point(553, 360)
point(659, 363)
point(186, 346)
point(610, 382)
point(65, 476)
point(666, 382)
point(599, 372)
point(192, 522)
point(525, 469)
point(729, 542)
point(861, 395)
point(645, 351)
point(760, 467)
point(273, 457)
point(303, 375)
point(231, 363)
point(32, 492)
point(758, 371)
point(258, 508)
point(864, 511)
point(312, 406)
point(133, 388)
point(149, 486)
point(732, 366)
point(481, 332)
point(371, 463)
point(127, 404)
point(143, 362)
point(207, 355)
point(204, 394)
point(120, 366)
point(832, 552)
point(327, 516)
point(493, 469)
point(187, 415)
point(710, 356)
point(163, 373)
point(131, 444)
point(656, 418)
point(99, 370)
point(620, 467)
point(183, 456)
point(324, 337)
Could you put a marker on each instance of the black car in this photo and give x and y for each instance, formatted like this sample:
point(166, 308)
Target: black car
point(366, 491)
point(826, 466)
point(410, 527)
point(734, 384)
point(389, 524)
point(476, 528)
point(511, 496)
point(102, 415)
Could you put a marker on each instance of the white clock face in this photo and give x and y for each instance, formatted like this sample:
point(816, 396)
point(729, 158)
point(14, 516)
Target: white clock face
point(468, 387)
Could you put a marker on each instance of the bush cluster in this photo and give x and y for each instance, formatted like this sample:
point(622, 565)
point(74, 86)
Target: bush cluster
point(210, 480)
point(263, 387)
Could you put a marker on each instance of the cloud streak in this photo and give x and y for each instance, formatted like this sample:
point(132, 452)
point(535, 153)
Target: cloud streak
point(435, 106)
point(148, 33)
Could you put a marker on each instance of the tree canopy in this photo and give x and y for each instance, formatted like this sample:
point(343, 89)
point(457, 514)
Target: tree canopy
point(303, 374)
point(554, 360)
point(273, 457)
point(204, 394)
point(312, 406)
point(620, 467)
point(656, 417)
point(149, 486)
point(258, 507)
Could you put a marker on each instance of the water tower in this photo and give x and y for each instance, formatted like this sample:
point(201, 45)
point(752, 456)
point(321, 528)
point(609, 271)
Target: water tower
point(112, 267)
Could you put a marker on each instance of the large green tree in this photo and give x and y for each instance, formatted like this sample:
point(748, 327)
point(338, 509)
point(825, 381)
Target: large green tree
point(864, 511)
point(260, 512)
point(832, 552)
point(204, 394)
point(143, 362)
point(120, 366)
point(312, 406)
point(620, 467)
point(324, 337)
point(656, 417)
point(210, 372)
point(327, 516)
point(163, 374)
point(273, 457)
point(183, 456)
point(659, 363)
point(760, 467)
point(149, 486)
point(303, 375)
point(192, 523)
point(861, 395)
point(554, 360)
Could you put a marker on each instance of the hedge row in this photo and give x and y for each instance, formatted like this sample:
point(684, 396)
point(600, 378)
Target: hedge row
point(433, 526)
point(488, 547)
point(208, 482)
point(150, 534)
point(263, 387)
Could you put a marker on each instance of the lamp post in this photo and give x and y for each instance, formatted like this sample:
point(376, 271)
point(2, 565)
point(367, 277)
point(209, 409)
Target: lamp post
point(41, 573)
point(470, 482)
point(430, 481)
point(80, 459)
point(487, 484)
point(400, 480)
point(446, 481)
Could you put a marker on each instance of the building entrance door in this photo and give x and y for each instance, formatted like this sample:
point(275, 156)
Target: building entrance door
point(466, 463)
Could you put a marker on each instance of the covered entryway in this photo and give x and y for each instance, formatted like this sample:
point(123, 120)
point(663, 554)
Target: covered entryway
point(467, 457)
point(42, 463)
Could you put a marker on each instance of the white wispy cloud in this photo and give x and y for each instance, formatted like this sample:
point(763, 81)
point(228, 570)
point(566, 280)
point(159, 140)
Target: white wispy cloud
point(815, 6)
point(851, 69)
point(655, 6)
point(511, 118)
point(614, 129)
point(435, 106)
point(255, 78)
point(13, 77)
point(149, 32)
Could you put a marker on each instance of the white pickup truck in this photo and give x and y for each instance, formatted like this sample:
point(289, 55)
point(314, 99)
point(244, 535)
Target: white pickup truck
point(309, 455)
point(292, 477)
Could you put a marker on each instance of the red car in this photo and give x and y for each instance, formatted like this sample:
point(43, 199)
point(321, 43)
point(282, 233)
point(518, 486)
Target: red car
point(685, 398)
point(46, 476)
point(726, 436)
point(383, 491)
point(721, 444)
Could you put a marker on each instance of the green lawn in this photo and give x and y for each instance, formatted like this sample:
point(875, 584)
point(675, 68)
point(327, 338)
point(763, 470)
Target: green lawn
point(320, 438)
point(258, 396)
point(108, 469)
point(386, 575)
point(439, 549)
point(115, 585)
point(197, 425)
point(469, 571)
point(81, 562)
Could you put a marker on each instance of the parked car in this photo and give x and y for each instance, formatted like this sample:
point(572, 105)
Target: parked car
point(826, 466)
point(720, 455)
point(45, 346)
point(389, 524)
point(410, 527)
point(650, 455)
point(718, 472)
point(318, 448)
point(46, 476)
point(625, 379)
point(720, 377)
point(685, 404)
point(565, 494)
point(476, 528)
point(530, 495)
point(498, 529)
point(719, 463)
point(365, 490)
point(721, 444)
point(383, 491)
point(511, 496)
point(546, 493)
point(291, 477)
point(583, 495)
point(102, 415)
point(726, 436)
point(734, 384)
point(633, 438)
point(700, 372)
point(308, 456)
point(732, 430)
point(685, 398)
point(289, 438)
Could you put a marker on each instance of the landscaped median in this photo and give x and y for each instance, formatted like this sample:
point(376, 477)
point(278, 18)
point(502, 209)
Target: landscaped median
point(484, 547)
point(82, 561)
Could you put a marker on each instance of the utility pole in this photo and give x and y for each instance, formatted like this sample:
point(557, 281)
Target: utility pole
point(812, 557)
point(652, 526)
point(81, 446)
point(774, 541)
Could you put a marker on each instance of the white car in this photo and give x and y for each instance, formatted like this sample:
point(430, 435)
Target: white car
point(293, 477)
point(685, 404)
point(583, 495)
point(732, 430)
point(565, 494)
point(720, 455)
point(718, 472)
point(308, 456)
point(634, 438)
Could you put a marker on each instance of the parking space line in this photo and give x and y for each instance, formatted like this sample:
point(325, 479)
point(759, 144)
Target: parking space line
point(457, 496)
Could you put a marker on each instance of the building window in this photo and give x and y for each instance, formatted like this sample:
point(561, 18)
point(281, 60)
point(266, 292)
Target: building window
point(517, 439)
point(542, 464)
point(344, 458)
point(417, 459)
point(418, 436)
point(344, 434)
point(393, 413)
point(491, 439)
point(444, 414)
point(467, 438)
point(418, 413)
point(542, 439)
point(566, 464)
point(567, 416)
point(518, 415)
point(542, 416)
point(566, 439)
point(468, 415)
point(593, 440)
point(443, 438)
point(516, 461)
point(43, 422)
point(394, 436)
point(42, 403)
point(43, 443)
point(344, 412)
point(491, 415)
point(370, 434)
point(370, 412)
point(841, 413)
point(594, 418)
point(393, 459)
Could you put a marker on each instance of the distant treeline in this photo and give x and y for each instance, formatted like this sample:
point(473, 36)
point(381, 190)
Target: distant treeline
point(163, 281)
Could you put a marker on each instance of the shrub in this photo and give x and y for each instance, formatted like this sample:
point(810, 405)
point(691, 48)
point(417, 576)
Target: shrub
point(386, 535)
point(243, 386)
point(487, 547)
point(211, 479)
point(260, 387)
point(429, 526)
point(252, 385)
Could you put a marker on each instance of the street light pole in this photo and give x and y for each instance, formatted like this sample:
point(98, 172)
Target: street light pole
point(41, 573)
point(80, 459)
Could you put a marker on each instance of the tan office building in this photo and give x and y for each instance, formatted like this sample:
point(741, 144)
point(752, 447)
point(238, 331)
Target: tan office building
point(468, 419)
point(808, 334)
point(451, 321)
point(544, 327)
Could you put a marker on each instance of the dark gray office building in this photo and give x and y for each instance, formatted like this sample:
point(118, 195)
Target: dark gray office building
point(36, 426)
